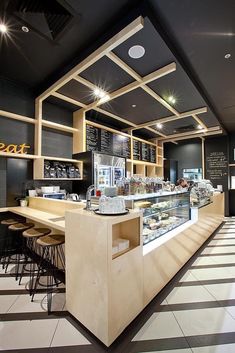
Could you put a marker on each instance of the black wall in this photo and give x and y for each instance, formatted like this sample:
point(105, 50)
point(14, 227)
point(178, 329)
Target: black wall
point(20, 100)
point(188, 153)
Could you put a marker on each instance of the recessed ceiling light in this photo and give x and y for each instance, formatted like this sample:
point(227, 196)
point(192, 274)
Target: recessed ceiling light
point(227, 56)
point(199, 127)
point(159, 126)
point(171, 99)
point(3, 28)
point(105, 98)
point(133, 105)
point(25, 29)
point(136, 52)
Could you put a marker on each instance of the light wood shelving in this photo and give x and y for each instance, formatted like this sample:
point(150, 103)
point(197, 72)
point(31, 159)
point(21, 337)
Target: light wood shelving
point(39, 167)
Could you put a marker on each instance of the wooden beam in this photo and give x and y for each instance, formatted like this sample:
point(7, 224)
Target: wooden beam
point(124, 66)
point(112, 43)
point(38, 128)
point(171, 118)
point(186, 135)
point(85, 82)
point(199, 121)
point(17, 117)
point(136, 84)
point(56, 126)
point(18, 155)
point(68, 99)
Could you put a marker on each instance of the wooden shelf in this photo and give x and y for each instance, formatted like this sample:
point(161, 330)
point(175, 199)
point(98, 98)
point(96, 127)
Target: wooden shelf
point(39, 167)
point(18, 155)
point(60, 127)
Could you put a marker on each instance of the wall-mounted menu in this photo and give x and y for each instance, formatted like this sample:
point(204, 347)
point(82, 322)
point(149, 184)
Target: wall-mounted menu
point(136, 150)
point(121, 146)
point(152, 154)
point(145, 152)
point(92, 138)
point(217, 161)
point(102, 140)
point(106, 141)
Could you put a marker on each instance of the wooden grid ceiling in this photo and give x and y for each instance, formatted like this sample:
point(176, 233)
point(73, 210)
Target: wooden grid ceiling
point(139, 82)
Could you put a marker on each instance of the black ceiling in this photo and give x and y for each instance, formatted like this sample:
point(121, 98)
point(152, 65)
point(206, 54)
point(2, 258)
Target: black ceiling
point(194, 34)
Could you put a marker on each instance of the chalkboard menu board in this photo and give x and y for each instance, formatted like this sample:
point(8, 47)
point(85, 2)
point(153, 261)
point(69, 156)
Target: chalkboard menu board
point(92, 138)
point(145, 152)
point(217, 161)
point(136, 150)
point(102, 140)
point(106, 141)
point(152, 154)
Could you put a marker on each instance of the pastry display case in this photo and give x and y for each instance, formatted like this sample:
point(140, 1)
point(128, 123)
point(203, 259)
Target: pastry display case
point(161, 212)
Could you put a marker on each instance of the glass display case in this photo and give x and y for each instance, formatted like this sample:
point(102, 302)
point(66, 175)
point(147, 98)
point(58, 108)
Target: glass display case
point(161, 212)
point(201, 193)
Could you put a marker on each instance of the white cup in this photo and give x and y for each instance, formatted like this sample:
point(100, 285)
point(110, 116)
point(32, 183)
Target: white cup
point(23, 203)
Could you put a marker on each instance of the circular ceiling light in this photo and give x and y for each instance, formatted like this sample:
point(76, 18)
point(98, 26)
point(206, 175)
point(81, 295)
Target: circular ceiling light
point(25, 29)
point(159, 126)
point(172, 100)
point(3, 28)
point(227, 56)
point(199, 127)
point(136, 52)
point(133, 105)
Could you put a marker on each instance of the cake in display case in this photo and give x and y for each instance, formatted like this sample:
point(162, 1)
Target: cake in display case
point(161, 212)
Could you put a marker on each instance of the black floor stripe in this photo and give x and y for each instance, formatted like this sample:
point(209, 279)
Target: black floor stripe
point(182, 342)
point(64, 349)
point(33, 315)
point(212, 266)
point(205, 282)
point(217, 254)
point(25, 291)
point(199, 305)
point(219, 245)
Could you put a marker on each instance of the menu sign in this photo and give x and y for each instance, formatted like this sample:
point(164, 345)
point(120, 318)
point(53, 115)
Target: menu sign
point(102, 140)
point(144, 152)
point(106, 141)
point(92, 138)
point(152, 154)
point(136, 150)
point(216, 162)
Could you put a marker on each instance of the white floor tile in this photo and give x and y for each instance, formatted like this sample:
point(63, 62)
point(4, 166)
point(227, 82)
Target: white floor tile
point(223, 242)
point(219, 250)
point(223, 259)
point(160, 325)
point(26, 334)
point(67, 335)
point(205, 321)
point(188, 277)
point(23, 304)
point(223, 348)
point(212, 273)
point(6, 301)
point(191, 294)
point(205, 260)
point(222, 291)
point(226, 231)
point(224, 236)
point(8, 283)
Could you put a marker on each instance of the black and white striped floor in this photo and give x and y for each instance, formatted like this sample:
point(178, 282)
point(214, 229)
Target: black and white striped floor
point(194, 313)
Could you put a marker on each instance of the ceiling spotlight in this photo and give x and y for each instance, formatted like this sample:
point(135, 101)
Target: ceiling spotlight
point(97, 92)
point(102, 94)
point(136, 52)
point(171, 99)
point(199, 127)
point(3, 28)
point(105, 98)
point(25, 29)
point(159, 126)
point(227, 56)
point(133, 105)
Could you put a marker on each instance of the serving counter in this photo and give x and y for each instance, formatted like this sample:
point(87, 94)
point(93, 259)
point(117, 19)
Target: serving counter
point(106, 291)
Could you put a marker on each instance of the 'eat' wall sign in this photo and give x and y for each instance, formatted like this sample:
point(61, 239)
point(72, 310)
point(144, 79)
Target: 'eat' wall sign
point(20, 149)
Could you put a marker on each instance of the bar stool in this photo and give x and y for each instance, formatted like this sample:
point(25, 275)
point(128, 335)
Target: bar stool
point(7, 241)
point(53, 261)
point(31, 251)
point(17, 229)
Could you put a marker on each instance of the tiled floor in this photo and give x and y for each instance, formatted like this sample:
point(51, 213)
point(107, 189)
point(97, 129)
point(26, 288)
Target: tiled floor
point(195, 313)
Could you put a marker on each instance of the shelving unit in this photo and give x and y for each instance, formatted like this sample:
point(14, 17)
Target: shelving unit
point(39, 167)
